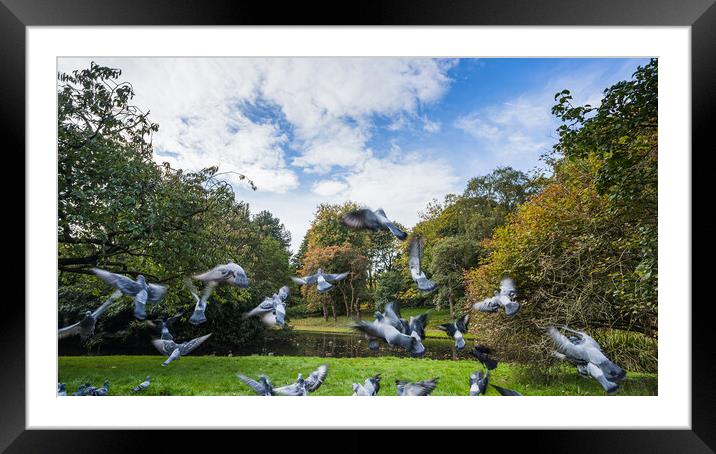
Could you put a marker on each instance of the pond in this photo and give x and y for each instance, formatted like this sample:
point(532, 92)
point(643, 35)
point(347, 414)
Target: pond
point(285, 343)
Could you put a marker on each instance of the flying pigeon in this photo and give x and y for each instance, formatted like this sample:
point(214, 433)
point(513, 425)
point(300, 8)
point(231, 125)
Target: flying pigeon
point(85, 327)
point(418, 324)
point(586, 354)
point(456, 330)
point(365, 218)
point(505, 391)
point(370, 388)
point(231, 274)
point(142, 386)
point(412, 343)
point(414, 263)
point(297, 388)
point(478, 383)
point(103, 391)
point(421, 388)
point(482, 353)
point(142, 292)
point(175, 351)
point(505, 298)
point(316, 378)
point(164, 324)
point(199, 317)
point(263, 387)
point(391, 315)
point(272, 311)
point(61, 389)
point(320, 279)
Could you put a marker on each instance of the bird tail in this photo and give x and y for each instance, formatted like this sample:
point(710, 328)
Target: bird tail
point(396, 231)
point(323, 287)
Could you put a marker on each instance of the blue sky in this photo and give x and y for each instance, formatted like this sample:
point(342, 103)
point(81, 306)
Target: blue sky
point(385, 132)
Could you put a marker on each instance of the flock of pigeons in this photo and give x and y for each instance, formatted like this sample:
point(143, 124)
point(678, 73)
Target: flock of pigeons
point(579, 348)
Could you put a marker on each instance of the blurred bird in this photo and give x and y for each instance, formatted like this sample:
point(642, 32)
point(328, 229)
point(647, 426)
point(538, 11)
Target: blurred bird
point(503, 298)
point(392, 336)
point(370, 388)
point(478, 383)
point(230, 273)
point(262, 387)
point(142, 386)
point(175, 351)
point(320, 279)
point(142, 292)
point(163, 325)
point(482, 353)
point(421, 388)
point(418, 324)
point(415, 259)
point(61, 389)
point(367, 219)
point(103, 391)
point(84, 389)
point(456, 330)
point(505, 391)
point(85, 327)
point(199, 315)
point(272, 311)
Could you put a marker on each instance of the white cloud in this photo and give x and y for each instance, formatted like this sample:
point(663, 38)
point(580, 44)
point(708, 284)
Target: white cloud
point(328, 187)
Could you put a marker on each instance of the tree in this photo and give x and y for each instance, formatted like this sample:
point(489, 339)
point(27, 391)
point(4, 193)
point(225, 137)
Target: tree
point(450, 258)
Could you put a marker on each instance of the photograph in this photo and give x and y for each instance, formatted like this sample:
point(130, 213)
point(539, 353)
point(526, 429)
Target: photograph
point(357, 226)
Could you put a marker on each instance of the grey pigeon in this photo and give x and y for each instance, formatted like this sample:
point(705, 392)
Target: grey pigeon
point(61, 389)
point(415, 264)
point(199, 315)
point(365, 218)
point(503, 298)
point(456, 330)
point(369, 388)
point(272, 311)
point(175, 351)
point(262, 387)
point(85, 327)
point(316, 378)
point(164, 324)
point(142, 386)
point(478, 383)
point(321, 279)
point(231, 274)
point(586, 354)
point(142, 292)
point(482, 353)
point(392, 316)
point(421, 388)
point(418, 324)
point(505, 391)
point(84, 389)
point(298, 388)
point(381, 330)
point(103, 391)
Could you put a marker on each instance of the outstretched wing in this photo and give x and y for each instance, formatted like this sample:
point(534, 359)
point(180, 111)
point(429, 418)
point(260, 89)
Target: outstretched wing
point(218, 273)
point(462, 323)
point(449, 328)
point(101, 310)
point(415, 255)
point(418, 324)
point(336, 277)
point(371, 329)
point(315, 380)
point(165, 347)
point(283, 293)
point(422, 388)
point(361, 219)
point(505, 391)
point(155, 292)
point(122, 283)
point(267, 305)
point(189, 346)
point(487, 305)
point(564, 346)
point(392, 314)
point(253, 384)
point(68, 331)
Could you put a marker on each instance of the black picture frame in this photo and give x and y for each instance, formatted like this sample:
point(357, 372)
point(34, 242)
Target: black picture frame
point(700, 15)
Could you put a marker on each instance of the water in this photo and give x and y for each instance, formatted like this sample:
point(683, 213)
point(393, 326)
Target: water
point(282, 343)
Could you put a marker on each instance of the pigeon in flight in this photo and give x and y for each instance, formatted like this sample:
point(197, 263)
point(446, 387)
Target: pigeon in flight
point(457, 330)
point(415, 264)
point(382, 330)
point(421, 388)
point(301, 387)
point(61, 389)
point(164, 324)
point(320, 279)
point(272, 311)
point(142, 292)
point(85, 327)
point(262, 387)
point(316, 378)
point(142, 386)
point(365, 218)
point(478, 383)
point(199, 316)
point(175, 351)
point(586, 354)
point(418, 324)
point(482, 353)
point(505, 391)
point(391, 315)
point(231, 274)
point(369, 388)
point(505, 298)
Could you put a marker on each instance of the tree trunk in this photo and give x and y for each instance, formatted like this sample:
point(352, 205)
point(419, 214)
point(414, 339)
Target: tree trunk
point(333, 307)
point(358, 308)
point(452, 309)
point(325, 311)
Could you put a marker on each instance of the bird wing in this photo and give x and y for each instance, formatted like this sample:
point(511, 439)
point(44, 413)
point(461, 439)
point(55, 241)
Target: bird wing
point(267, 305)
point(505, 391)
point(392, 313)
point(240, 278)
point(421, 388)
point(101, 310)
point(155, 292)
point(418, 324)
point(190, 346)
point(371, 329)
point(449, 328)
point(361, 219)
point(564, 346)
point(283, 293)
point(174, 318)
point(315, 380)
point(312, 279)
point(253, 384)
point(487, 305)
point(68, 331)
point(336, 277)
point(462, 322)
point(122, 283)
point(415, 256)
point(218, 273)
point(165, 347)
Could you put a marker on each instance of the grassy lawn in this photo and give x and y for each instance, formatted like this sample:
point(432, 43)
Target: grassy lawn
point(216, 375)
point(340, 325)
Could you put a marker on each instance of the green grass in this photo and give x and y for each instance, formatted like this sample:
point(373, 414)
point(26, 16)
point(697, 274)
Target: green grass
point(216, 375)
point(340, 325)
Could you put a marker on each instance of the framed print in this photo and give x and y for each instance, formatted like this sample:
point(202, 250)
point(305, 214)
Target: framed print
point(464, 202)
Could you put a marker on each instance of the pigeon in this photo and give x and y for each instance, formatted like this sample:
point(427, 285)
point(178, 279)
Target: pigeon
point(504, 298)
point(316, 378)
point(478, 383)
point(231, 274)
point(84, 389)
point(586, 354)
point(164, 324)
point(392, 316)
point(505, 391)
point(85, 327)
point(370, 388)
point(482, 353)
point(456, 330)
point(199, 317)
point(382, 330)
point(142, 386)
point(263, 387)
point(297, 388)
point(373, 341)
point(421, 388)
point(142, 292)
point(365, 218)
point(103, 391)
point(414, 263)
point(272, 311)
point(418, 324)
point(175, 351)
point(61, 389)
point(320, 279)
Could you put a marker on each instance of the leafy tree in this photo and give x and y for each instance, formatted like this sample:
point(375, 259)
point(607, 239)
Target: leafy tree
point(450, 258)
